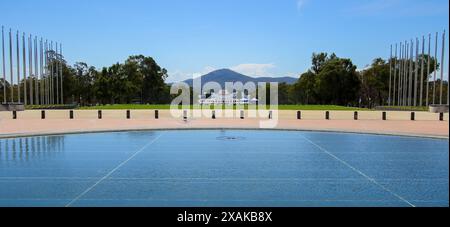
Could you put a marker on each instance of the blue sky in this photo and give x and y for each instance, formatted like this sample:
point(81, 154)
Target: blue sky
point(255, 37)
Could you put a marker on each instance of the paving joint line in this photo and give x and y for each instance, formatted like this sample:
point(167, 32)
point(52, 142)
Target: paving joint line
point(359, 172)
point(112, 171)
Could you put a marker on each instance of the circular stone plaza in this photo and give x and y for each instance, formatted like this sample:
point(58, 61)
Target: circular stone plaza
point(54, 154)
point(47, 122)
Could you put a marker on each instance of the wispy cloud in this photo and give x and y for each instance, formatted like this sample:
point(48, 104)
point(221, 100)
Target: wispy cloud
point(251, 69)
point(254, 69)
point(301, 4)
point(179, 75)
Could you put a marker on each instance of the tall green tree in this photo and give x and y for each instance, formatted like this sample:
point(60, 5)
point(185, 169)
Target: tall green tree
point(331, 80)
point(375, 79)
point(151, 76)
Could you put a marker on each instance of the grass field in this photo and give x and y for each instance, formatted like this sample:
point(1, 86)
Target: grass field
point(280, 107)
point(165, 107)
point(403, 108)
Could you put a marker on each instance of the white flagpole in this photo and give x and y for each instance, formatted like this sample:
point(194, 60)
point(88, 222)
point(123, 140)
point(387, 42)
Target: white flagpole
point(422, 71)
point(405, 85)
point(416, 72)
point(405, 81)
point(36, 84)
point(30, 68)
point(400, 75)
point(408, 64)
point(61, 72)
point(410, 79)
point(57, 74)
point(390, 77)
point(395, 76)
point(41, 74)
point(24, 70)
point(442, 67)
point(52, 91)
point(435, 69)
point(18, 67)
point(11, 66)
point(428, 71)
point(3, 65)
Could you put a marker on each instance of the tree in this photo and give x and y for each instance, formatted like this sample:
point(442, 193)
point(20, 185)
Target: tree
point(2, 87)
point(375, 83)
point(83, 83)
point(375, 79)
point(331, 80)
point(102, 87)
point(152, 78)
point(337, 83)
point(304, 90)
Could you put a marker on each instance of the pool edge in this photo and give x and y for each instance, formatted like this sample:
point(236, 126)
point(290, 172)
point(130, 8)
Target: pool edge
point(74, 132)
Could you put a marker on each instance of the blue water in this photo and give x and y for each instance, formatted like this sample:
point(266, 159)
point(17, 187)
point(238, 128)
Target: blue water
point(224, 168)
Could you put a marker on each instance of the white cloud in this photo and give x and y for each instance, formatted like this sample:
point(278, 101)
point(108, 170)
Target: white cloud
point(300, 4)
point(179, 75)
point(293, 74)
point(207, 69)
point(248, 69)
point(254, 69)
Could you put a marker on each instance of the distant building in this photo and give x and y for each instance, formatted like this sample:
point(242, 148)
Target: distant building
point(226, 98)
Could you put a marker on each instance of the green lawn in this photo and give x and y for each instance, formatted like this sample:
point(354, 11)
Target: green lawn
point(165, 107)
point(280, 107)
point(403, 108)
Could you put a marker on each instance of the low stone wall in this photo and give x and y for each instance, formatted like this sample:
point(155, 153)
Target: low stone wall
point(439, 108)
point(11, 107)
point(166, 114)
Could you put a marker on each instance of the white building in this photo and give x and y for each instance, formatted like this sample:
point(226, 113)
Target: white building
point(226, 98)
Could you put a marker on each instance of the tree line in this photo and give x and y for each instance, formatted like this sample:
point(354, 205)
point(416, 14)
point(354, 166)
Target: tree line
point(334, 80)
point(140, 80)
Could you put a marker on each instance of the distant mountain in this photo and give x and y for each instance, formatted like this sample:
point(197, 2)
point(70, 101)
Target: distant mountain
point(225, 75)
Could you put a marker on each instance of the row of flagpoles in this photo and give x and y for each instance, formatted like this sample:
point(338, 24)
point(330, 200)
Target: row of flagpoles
point(39, 78)
point(409, 78)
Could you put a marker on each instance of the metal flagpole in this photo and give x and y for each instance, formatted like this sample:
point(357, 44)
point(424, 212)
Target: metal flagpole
point(11, 66)
point(435, 69)
point(24, 70)
point(442, 67)
point(44, 74)
point(30, 70)
point(57, 74)
point(41, 74)
point(405, 80)
point(428, 71)
point(410, 79)
point(400, 76)
point(416, 72)
point(3, 64)
point(422, 71)
point(408, 63)
point(44, 56)
point(400, 91)
point(18, 67)
point(390, 77)
point(402, 85)
point(61, 72)
point(36, 83)
point(52, 91)
point(47, 81)
point(395, 76)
